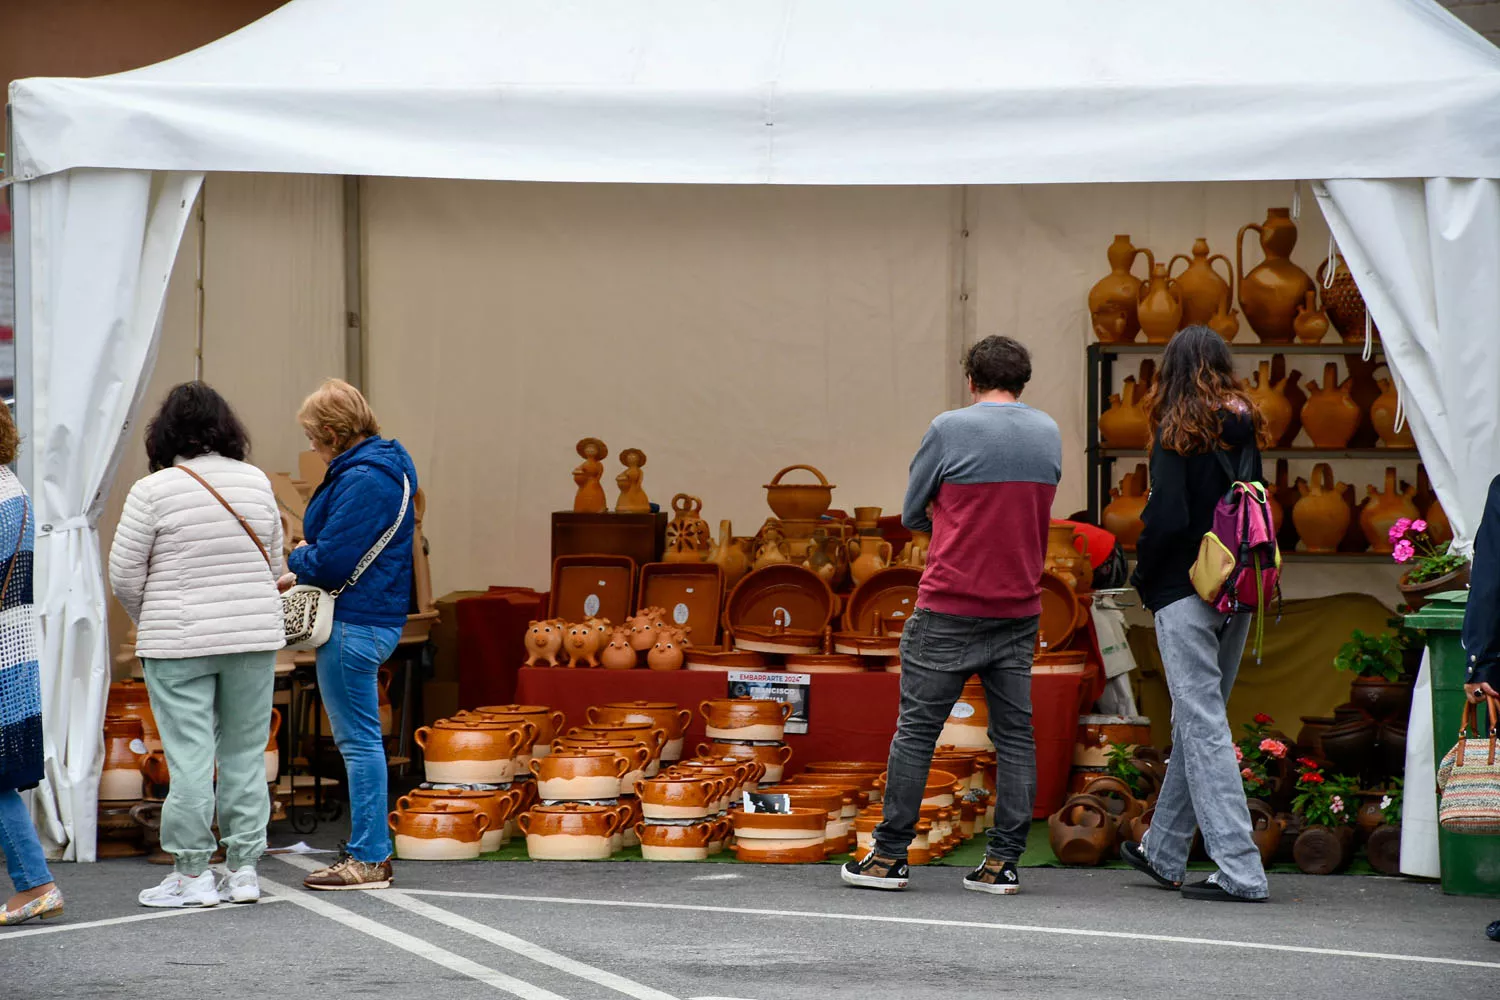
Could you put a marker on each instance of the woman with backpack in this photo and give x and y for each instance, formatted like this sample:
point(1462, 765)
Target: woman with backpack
point(1204, 428)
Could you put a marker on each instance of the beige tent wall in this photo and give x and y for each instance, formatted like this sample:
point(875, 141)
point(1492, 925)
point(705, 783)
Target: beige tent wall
point(726, 331)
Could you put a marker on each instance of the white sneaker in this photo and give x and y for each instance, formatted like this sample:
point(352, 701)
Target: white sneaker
point(241, 886)
point(178, 890)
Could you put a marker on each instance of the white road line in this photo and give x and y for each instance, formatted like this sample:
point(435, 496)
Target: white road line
point(969, 924)
point(406, 942)
point(524, 948)
point(186, 911)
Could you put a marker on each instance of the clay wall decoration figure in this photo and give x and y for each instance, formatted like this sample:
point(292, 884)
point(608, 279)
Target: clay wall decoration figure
point(1344, 303)
point(544, 641)
point(1311, 324)
point(688, 536)
point(1112, 300)
point(1331, 416)
point(1124, 424)
point(590, 498)
point(1225, 321)
point(1160, 308)
point(1199, 284)
point(617, 653)
point(1274, 288)
point(1122, 518)
point(633, 499)
point(1322, 515)
point(1383, 415)
point(1382, 510)
point(1270, 398)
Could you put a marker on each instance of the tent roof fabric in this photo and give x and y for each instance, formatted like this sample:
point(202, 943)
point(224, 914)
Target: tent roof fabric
point(798, 92)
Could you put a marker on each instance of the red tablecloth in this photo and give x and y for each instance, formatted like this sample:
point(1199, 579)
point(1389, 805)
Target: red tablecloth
point(851, 716)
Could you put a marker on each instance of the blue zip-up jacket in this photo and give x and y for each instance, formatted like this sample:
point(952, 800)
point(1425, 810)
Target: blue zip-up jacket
point(1481, 636)
point(355, 504)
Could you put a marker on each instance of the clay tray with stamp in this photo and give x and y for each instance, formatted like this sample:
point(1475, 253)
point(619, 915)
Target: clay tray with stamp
point(595, 586)
point(780, 609)
point(690, 593)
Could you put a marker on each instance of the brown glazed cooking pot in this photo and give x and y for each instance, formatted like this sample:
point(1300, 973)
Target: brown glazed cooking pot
point(439, 831)
point(745, 718)
point(497, 804)
point(549, 724)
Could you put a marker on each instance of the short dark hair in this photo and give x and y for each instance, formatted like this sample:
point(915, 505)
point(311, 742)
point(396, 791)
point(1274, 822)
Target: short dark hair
point(194, 420)
point(998, 363)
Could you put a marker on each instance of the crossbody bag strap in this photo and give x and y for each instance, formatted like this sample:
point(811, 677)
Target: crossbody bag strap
point(236, 514)
point(16, 555)
point(382, 541)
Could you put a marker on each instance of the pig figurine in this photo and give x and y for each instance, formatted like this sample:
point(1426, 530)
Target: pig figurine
point(617, 653)
point(544, 640)
point(581, 645)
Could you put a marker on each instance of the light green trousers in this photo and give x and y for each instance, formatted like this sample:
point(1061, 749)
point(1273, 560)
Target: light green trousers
point(207, 708)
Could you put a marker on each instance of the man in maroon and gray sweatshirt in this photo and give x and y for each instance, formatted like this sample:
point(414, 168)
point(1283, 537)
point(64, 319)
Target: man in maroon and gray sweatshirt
point(982, 482)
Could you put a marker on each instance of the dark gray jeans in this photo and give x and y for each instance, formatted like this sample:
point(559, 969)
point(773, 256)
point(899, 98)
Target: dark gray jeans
point(939, 653)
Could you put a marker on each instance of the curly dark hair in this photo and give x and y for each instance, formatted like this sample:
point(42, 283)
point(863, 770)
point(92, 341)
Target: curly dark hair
point(998, 363)
point(10, 437)
point(1194, 389)
point(194, 420)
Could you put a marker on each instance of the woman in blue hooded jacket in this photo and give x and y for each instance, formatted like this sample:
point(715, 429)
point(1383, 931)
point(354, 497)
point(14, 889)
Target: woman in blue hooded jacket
point(370, 483)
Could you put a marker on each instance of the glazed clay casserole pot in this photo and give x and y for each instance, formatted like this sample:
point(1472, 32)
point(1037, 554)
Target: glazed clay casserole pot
point(572, 831)
point(469, 753)
point(942, 788)
point(530, 730)
point(745, 719)
point(549, 724)
point(497, 805)
point(674, 843)
point(573, 775)
point(773, 755)
point(753, 771)
point(639, 756)
point(654, 738)
point(861, 789)
point(440, 831)
point(726, 785)
point(663, 715)
point(799, 836)
point(678, 798)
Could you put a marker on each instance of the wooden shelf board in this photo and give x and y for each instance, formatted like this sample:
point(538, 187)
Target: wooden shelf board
point(1354, 454)
point(1327, 349)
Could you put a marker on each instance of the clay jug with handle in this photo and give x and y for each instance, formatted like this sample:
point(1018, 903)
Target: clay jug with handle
point(1225, 321)
point(1122, 518)
point(1199, 285)
point(1344, 303)
point(1331, 415)
point(1382, 510)
point(1311, 324)
point(1270, 398)
point(1124, 424)
point(1322, 515)
point(730, 556)
point(1065, 561)
point(1383, 416)
point(868, 555)
point(1274, 288)
point(1160, 308)
point(1112, 300)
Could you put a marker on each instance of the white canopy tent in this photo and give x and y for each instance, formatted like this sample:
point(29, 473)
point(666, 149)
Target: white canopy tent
point(1392, 105)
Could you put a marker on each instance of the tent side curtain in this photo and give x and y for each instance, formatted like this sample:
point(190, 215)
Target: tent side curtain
point(99, 250)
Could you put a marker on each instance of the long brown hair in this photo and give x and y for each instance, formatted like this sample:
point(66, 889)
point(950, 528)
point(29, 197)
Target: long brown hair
point(1186, 404)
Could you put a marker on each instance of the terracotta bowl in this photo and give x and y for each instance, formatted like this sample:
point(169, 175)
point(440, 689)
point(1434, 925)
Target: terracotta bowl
point(664, 715)
point(711, 658)
point(1059, 612)
point(887, 596)
point(789, 597)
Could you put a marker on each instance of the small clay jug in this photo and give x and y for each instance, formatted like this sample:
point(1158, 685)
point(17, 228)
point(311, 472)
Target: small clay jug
point(1322, 515)
point(1225, 321)
point(1344, 303)
point(773, 550)
point(1124, 424)
point(1271, 399)
point(1065, 561)
point(730, 556)
point(1112, 300)
point(1160, 308)
point(1122, 518)
point(868, 555)
point(1383, 415)
point(1272, 291)
point(1384, 509)
point(1311, 324)
point(1199, 285)
point(1331, 416)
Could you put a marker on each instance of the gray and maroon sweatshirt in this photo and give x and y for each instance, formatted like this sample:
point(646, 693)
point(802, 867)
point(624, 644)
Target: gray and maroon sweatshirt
point(983, 482)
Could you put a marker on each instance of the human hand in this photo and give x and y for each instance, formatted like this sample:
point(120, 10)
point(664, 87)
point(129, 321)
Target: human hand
point(1479, 692)
point(300, 545)
point(287, 582)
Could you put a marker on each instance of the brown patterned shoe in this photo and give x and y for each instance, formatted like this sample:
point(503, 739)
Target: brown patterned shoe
point(349, 873)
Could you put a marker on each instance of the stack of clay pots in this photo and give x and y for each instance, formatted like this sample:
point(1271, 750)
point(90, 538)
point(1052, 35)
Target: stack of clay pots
point(747, 727)
point(686, 808)
point(429, 824)
point(121, 787)
point(663, 715)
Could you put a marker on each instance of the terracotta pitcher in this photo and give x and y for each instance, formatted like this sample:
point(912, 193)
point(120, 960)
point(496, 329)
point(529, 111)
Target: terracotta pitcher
point(1112, 300)
point(868, 555)
point(1065, 561)
point(1225, 321)
point(1200, 286)
point(1122, 518)
point(1331, 416)
point(1271, 399)
point(730, 556)
point(1160, 307)
point(1384, 509)
point(1311, 324)
point(1322, 515)
point(1344, 303)
point(1124, 424)
point(1272, 291)
point(1383, 415)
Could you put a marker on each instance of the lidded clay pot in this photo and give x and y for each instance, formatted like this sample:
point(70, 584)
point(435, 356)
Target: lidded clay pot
point(1382, 510)
point(572, 775)
point(1122, 518)
point(549, 724)
point(670, 797)
point(632, 750)
point(438, 831)
point(468, 752)
point(1112, 300)
point(1322, 516)
point(666, 842)
point(745, 719)
point(941, 789)
point(572, 831)
point(1199, 285)
point(1330, 416)
point(773, 755)
point(496, 804)
point(649, 735)
point(797, 836)
point(1274, 288)
point(663, 715)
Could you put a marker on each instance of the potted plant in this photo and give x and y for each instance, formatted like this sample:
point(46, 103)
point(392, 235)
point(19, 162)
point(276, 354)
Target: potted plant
point(1433, 568)
point(1384, 845)
point(1260, 755)
point(1325, 804)
point(1379, 687)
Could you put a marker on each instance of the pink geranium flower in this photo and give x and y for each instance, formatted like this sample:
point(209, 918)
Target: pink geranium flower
point(1336, 806)
point(1404, 551)
point(1275, 748)
point(1238, 753)
point(1398, 530)
point(1247, 774)
point(1419, 525)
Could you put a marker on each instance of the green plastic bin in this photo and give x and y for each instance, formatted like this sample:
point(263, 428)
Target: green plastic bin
point(1470, 864)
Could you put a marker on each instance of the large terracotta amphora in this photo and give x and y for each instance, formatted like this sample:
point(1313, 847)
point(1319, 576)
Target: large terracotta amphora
point(1064, 560)
point(1274, 288)
point(1122, 518)
point(1200, 286)
point(1384, 509)
point(1311, 324)
point(1331, 415)
point(1112, 300)
point(1160, 308)
point(1322, 515)
point(1270, 398)
point(1383, 416)
point(1124, 424)
point(1344, 303)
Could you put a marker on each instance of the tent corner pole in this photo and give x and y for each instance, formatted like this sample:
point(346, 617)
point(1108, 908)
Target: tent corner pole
point(354, 262)
point(25, 389)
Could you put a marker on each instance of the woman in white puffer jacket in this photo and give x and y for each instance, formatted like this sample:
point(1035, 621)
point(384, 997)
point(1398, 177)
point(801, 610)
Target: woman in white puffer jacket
point(195, 562)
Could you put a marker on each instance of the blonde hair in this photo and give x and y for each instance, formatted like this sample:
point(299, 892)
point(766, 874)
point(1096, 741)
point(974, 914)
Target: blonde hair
point(336, 415)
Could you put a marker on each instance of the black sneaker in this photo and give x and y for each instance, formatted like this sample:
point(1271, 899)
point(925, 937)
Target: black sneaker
point(1493, 930)
point(998, 877)
point(875, 873)
point(1210, 891)
point(1131, 854)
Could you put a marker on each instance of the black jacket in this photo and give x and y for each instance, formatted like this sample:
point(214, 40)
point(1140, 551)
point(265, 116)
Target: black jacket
point(1482, 617)
point(1180, 510)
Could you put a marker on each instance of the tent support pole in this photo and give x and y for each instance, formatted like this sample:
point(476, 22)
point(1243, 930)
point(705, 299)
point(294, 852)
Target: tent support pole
point(354, 332)
point(198, 289)
point(963, 273)
point(20, 205)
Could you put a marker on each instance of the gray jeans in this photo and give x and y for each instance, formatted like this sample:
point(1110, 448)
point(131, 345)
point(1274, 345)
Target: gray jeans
point(1201, 651)
point(939, 653)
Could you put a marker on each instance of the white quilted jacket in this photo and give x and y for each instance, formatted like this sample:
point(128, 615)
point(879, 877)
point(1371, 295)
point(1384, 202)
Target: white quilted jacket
point(186, 572)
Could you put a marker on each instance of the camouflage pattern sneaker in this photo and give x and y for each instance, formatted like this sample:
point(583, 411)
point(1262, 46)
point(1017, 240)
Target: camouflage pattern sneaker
point(348, 873)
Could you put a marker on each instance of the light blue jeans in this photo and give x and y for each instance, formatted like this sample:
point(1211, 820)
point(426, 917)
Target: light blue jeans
point(1200, 652)
point(23, 851)
point(347, 665)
